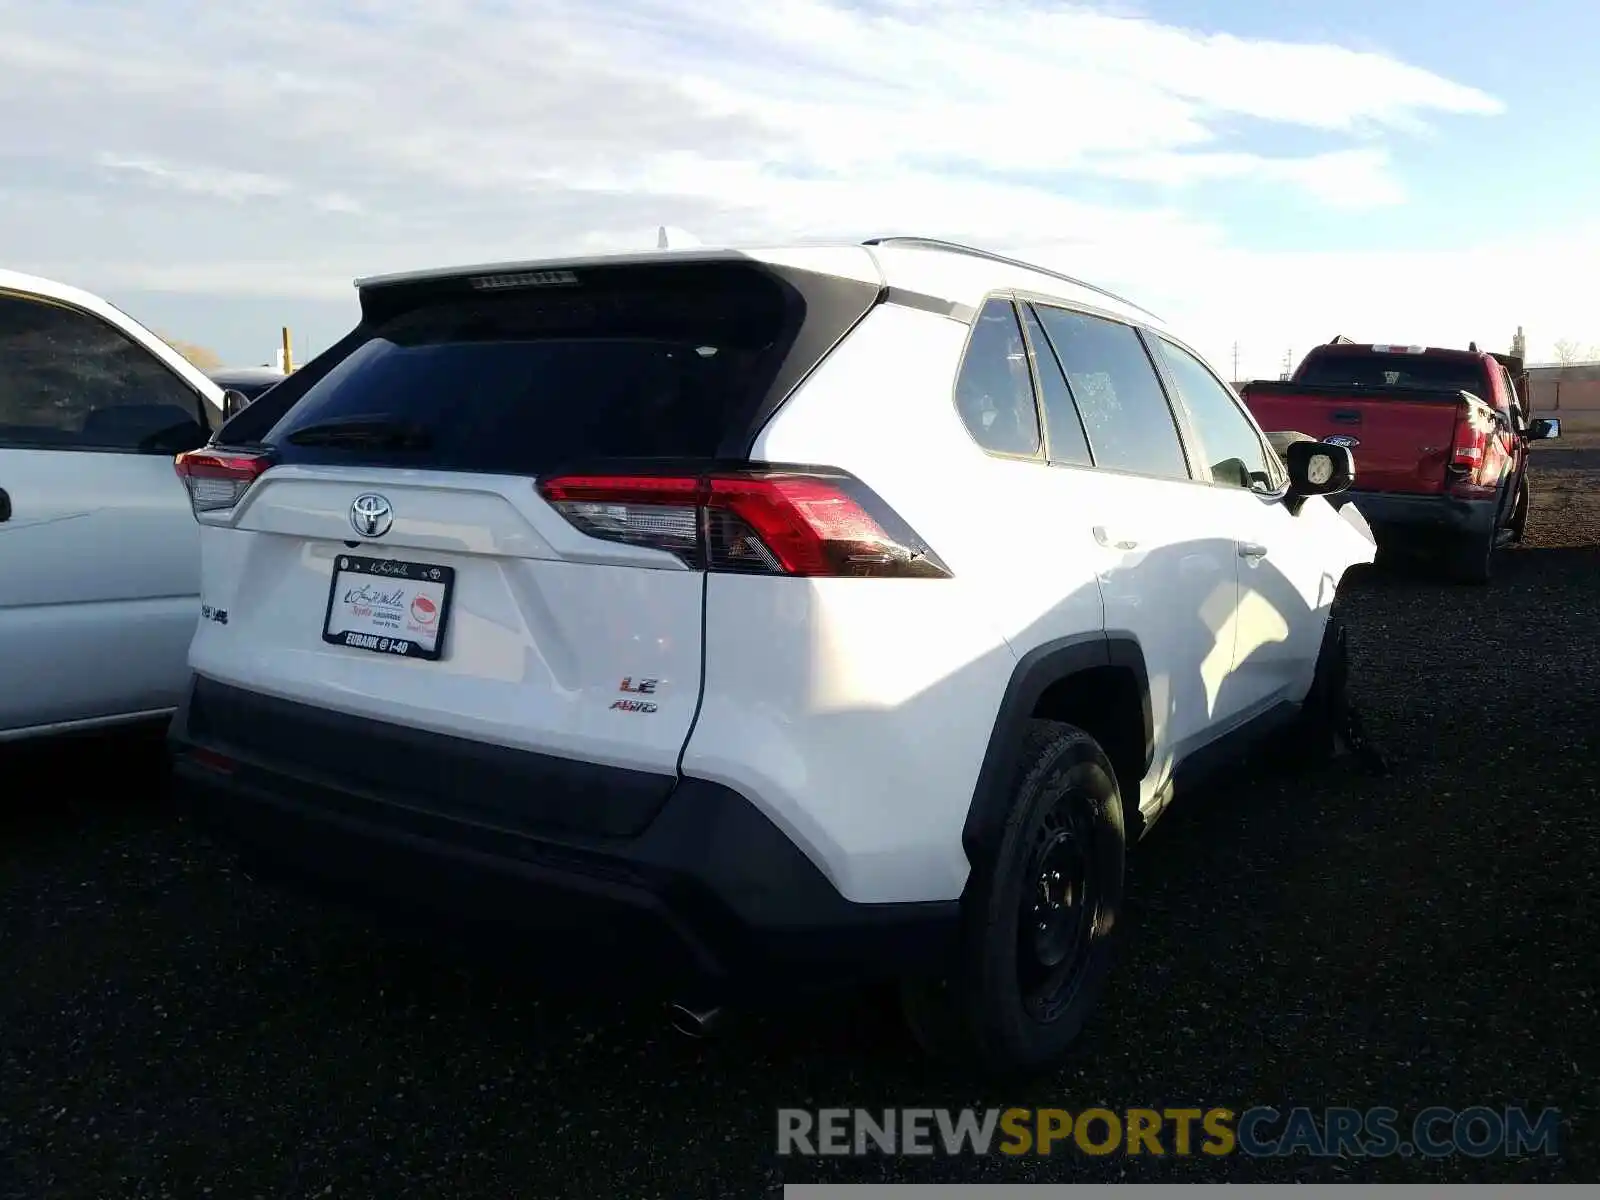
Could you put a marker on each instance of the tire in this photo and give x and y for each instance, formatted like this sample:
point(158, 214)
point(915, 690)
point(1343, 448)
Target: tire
point(1324, 714)
point(1470, 561)
point(1030, 967)
point(1519, 512)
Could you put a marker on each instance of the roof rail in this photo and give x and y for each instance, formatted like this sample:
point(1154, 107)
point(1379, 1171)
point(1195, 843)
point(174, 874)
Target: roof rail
point(928, 243)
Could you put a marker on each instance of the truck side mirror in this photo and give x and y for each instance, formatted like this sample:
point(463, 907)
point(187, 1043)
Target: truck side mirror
point(1544, 429)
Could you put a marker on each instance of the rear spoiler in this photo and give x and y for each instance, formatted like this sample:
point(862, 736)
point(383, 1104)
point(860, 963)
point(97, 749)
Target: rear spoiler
point(1278, 387)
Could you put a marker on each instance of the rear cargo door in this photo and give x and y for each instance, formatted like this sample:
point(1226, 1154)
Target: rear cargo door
point(1399, 444)
point(396, 561)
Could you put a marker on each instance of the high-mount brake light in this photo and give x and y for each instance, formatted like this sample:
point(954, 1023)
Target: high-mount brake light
point(522, 279)
point(218, 479)
point(762, 521)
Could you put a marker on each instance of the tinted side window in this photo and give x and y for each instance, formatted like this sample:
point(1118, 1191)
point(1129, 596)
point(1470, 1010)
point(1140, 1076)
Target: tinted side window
point(1232, 446)
point(1511, 388)
point(993, 389)
point(1117, 390)
point(1063, 427)
point(70, 381)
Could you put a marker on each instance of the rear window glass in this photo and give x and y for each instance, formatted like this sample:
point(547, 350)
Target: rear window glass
point(1392, 370)
point(524, 381)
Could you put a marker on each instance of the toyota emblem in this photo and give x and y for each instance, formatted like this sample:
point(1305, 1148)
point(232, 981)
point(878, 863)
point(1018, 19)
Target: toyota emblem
point(371, 515)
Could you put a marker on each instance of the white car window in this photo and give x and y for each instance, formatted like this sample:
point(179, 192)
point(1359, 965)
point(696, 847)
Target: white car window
point(1233, 447)
point(70, 381)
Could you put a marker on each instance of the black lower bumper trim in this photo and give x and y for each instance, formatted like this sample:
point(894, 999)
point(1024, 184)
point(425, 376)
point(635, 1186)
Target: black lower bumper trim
point(533, 793)
point(710, 899)
point(1398, 517)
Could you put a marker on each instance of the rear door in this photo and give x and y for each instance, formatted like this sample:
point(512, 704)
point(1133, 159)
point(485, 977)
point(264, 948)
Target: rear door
point(397, 561)
point(99, 555)
point(1507, 458)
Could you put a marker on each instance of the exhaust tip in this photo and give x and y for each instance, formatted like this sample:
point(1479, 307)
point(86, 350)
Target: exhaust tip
point(691, 1022)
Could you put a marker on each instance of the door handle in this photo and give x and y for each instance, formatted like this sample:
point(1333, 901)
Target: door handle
point(5, 505)
point(1105, 539)
point(1252, 550)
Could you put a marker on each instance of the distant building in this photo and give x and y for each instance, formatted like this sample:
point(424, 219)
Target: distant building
point(1570, 391)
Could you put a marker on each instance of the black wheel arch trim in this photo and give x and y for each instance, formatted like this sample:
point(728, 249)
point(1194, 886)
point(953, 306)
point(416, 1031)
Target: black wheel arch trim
point(1045, 665)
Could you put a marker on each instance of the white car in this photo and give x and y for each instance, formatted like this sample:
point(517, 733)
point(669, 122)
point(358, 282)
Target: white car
point(732, 620)
point(99, 555)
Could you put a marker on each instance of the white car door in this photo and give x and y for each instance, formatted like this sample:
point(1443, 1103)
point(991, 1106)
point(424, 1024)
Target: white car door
point(1167, 571)
point(1289, 561)
point(99, 550)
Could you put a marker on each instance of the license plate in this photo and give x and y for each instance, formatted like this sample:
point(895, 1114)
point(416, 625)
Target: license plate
point(388, 606)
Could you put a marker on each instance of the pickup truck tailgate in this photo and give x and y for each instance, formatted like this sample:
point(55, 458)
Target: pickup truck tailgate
point(1400, 437)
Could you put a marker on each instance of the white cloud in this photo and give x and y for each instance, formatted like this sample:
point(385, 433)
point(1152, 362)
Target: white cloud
point(295, 144)
point(204, 181)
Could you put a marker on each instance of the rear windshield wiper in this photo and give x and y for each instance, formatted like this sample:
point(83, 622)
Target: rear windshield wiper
point(372, 432)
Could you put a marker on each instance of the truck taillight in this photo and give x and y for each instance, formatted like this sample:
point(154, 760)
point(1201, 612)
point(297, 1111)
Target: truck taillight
point(1470, 441)
point(218, 479)
point(765, 521)
point(1469, 446)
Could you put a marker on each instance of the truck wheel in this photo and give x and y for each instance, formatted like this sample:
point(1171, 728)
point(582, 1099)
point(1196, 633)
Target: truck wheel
point(1037, 918)
point(1519, 513)
point(1471, 561)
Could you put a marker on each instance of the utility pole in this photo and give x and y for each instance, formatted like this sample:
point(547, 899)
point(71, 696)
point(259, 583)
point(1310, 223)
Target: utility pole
point(1235, 362)
point(288, 354)
point(1288, 360)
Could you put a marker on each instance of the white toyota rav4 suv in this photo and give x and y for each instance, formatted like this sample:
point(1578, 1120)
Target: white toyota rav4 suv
point(736, 620)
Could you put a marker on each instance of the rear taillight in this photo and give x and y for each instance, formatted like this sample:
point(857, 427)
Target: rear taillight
point(218, 479)
point(764, 521)
point(1469, 445)
point(1470, 440)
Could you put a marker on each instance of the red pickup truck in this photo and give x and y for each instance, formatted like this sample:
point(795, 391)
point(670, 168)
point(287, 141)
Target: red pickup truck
point(1439, 437)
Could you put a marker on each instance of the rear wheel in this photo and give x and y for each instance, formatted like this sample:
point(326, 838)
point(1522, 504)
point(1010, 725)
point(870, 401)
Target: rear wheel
point(1519, 512)
point(1038, 916)
point(1471, 561)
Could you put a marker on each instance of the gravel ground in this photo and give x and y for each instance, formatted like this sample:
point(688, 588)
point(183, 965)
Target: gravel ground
point(169, 1028)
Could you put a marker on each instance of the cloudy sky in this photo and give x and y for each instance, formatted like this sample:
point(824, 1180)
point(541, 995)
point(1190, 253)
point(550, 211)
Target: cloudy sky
point(1260, 172)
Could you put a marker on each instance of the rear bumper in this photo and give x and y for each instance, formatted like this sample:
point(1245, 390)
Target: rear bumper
point(1399, 518)
point(710, 900)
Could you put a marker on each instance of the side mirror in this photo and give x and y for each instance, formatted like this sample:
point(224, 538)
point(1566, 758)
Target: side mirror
point(1544, 429)
point(232, 402)
point(175, 439)
point(1319, 469)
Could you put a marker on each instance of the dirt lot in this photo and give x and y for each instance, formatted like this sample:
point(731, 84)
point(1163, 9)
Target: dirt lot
point(168, 1028)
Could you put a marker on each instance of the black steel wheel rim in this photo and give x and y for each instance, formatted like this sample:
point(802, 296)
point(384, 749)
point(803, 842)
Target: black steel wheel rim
point(1058, 906)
